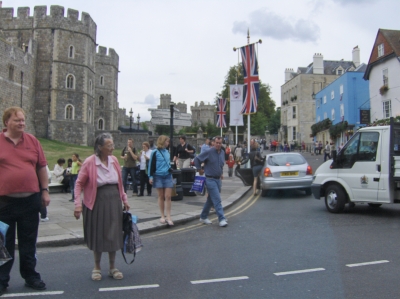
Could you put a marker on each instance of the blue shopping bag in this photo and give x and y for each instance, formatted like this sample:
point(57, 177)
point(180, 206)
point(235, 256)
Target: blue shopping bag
point(199, 185)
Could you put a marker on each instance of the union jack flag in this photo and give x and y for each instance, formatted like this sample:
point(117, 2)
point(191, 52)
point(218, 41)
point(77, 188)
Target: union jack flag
point(221, 113)
point(251, 81)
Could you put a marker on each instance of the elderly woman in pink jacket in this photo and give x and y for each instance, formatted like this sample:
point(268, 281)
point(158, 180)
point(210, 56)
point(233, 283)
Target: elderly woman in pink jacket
point(101, 181)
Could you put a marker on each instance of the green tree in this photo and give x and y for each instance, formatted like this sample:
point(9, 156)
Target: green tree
point(162, 130)
point(274, 122)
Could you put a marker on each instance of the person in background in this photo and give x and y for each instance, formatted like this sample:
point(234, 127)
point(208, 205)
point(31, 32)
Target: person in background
point(43, 208)
point(151, 143)
point(130, 165)
point(59, 174)
point(256, 164)
point(230, 162)
point(214, 162)
point(23, 157)
point(75, 167)
point(183, 152)
point(327, 151)
point(161, 178)
point(144, 161)
point(103, 196)
point(238, 153)
point(206, 145)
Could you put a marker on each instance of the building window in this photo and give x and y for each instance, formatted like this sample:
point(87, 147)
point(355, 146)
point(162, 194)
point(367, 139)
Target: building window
point(101, 102)
point(70, 83)
point(294, 133)
point(90, 87)
point(341, 89)
point(90, 116)
point(11, 73)
point(101, 80)
point(387, 109)
point(69, 112)
point(324, 99)
point(385, 75)
point(71, 52)
point(333, 114)
point(341, 112)
point(101, 124)
point(325, 115)
point(294, 111)
point(319, 118)
point(381, 50)
point(332, 94)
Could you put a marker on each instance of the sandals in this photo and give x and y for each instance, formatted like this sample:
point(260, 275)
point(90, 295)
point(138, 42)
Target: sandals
point(96, 274)
point(162, 220)
point(116, 274)
point(170, 223)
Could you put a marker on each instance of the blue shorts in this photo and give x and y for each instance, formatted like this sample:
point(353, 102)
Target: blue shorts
point(163, 181)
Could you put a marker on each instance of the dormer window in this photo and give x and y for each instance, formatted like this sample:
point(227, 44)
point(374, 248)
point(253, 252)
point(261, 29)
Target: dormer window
point(381, 50)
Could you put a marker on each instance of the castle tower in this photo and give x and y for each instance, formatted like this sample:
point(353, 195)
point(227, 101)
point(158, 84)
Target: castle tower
point(106, 96)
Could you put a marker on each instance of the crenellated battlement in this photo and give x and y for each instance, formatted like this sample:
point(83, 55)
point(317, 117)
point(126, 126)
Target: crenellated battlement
point(110, 58)
point(41, 20)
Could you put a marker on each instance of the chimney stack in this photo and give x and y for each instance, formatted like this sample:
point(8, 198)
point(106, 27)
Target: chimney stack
point(288, 74)
point(356, 56)
point(318, 64)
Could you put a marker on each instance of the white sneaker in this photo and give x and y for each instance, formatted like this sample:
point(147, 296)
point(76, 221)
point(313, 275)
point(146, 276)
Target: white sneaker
point(44, 219)
point(223, 223)
point(205, 221)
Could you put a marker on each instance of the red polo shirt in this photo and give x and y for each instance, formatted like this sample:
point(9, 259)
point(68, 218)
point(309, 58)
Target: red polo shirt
point(19, 164)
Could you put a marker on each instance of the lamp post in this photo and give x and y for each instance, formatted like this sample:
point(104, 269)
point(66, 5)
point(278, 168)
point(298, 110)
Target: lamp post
point(130, 120)
point(138, 119)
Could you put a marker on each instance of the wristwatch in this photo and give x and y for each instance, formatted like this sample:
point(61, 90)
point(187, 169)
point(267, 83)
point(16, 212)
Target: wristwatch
point(45, 189)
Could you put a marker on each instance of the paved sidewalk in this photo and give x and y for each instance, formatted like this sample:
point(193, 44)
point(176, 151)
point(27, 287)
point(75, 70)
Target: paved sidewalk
point(63, 229)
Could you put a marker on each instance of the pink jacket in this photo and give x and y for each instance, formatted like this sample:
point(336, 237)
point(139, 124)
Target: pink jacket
point(87, 180)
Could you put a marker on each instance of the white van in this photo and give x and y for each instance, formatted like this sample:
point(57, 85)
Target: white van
point(366, 170)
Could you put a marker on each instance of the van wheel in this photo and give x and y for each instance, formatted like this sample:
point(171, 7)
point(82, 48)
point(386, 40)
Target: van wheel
point(335, 199)
point(374, 205)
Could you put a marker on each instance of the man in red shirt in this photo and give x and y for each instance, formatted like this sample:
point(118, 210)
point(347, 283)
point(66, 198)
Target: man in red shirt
point(21, 158)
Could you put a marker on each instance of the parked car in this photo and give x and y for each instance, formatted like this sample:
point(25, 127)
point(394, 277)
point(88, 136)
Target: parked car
point(281, 171)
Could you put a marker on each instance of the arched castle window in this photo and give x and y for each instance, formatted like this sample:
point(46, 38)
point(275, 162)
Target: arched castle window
point(101, 124)
point(11, 73)
point(101, 102)
point(70, 82)
point(90, 116)
point(71, 52)
point(101, 80)
point(69, 112)
point(90, 87)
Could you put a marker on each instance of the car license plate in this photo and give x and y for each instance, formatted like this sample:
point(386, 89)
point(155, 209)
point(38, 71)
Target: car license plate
point(290, 173)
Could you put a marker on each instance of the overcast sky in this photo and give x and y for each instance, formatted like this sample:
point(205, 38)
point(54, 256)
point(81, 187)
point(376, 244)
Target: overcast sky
point(185, 47)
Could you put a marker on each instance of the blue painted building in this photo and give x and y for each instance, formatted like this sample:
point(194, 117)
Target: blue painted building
point(343, 101)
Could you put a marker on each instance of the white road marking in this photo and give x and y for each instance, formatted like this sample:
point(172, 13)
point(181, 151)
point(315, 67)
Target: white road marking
point(33, 294)
point(219, 279)
point(299, 271)
point(367, 263)
point(148, 286)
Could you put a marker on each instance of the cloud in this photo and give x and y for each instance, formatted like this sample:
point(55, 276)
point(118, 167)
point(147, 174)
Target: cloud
point(149, 100)
point(269, 24)
point(358, 2)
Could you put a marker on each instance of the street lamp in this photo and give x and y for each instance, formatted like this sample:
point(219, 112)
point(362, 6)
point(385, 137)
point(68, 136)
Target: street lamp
point(138, 119)
point(130, 120)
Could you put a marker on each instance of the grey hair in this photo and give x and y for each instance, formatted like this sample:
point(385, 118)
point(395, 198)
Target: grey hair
point(100, 140)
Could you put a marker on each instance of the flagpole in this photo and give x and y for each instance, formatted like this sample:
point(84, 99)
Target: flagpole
point(248, 115)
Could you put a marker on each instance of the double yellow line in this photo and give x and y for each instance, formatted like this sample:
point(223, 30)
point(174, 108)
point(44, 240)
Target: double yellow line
point(240, 209)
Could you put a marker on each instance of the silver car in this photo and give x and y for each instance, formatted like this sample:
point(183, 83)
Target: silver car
point(286, 171)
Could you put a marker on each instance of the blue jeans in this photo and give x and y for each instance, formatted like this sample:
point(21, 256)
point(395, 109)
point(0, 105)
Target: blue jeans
point(132, 171)
point(72, 184)
point(213, 199)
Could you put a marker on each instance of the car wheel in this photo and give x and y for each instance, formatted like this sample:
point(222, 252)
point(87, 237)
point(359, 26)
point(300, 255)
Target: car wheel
point(308, 191)
point(335, 198)
point(264, 193)
point(374, 205)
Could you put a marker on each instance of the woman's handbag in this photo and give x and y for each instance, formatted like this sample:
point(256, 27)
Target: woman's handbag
point(132, 242)
point(4, 254)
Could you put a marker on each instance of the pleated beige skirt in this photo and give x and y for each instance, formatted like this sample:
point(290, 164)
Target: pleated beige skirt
point(102, 226)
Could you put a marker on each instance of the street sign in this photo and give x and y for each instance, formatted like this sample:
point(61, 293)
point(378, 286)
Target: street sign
point(166, 122)
point(185, 116)
point(161, 113)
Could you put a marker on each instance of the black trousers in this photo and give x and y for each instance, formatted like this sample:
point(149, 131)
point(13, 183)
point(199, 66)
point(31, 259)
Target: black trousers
point(24, 214)
point(144, 180)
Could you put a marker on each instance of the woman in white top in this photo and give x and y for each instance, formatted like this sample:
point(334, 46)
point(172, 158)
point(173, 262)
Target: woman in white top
point(144, 160)
point(58, 171)
point(238, 153)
